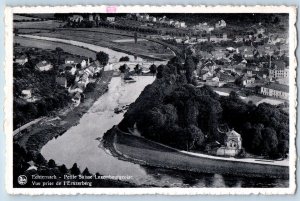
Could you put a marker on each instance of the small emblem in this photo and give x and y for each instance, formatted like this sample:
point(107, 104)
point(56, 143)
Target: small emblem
point(22, 180)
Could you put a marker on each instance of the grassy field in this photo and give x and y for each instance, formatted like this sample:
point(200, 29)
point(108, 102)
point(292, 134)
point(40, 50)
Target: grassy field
point(49, 24)
point(21, 17)
point(32, 31)
point(43, 44)
point(107, 40)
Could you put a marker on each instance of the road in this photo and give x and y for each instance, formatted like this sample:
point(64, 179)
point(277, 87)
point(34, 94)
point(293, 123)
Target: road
point(27, 125)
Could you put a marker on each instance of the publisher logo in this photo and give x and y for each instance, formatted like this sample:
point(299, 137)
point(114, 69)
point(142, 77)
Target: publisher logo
point(22, 180)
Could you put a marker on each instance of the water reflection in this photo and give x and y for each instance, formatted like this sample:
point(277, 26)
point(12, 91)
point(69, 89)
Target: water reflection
point(190, 179)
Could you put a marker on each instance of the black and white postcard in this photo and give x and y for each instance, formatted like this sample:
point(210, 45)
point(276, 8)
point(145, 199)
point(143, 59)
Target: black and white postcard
point(145, 100)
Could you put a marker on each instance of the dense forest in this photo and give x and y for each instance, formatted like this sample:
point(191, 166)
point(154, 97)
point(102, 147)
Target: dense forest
point(175, 112)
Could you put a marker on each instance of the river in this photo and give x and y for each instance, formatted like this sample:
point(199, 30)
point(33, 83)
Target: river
point(114, 56)
point(80, 144)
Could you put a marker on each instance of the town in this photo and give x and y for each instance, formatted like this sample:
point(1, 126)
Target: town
point(253, 63)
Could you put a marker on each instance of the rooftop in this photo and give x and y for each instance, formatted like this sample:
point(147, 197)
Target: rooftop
point(22, 57)
point(74, 59)
point(42, 63)
point(278, 87)
point(280, 65)
point(232, 133)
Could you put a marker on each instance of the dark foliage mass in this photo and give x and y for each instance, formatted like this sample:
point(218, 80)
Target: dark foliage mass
point(174, 112)
point(102, 57)
point(126, 58)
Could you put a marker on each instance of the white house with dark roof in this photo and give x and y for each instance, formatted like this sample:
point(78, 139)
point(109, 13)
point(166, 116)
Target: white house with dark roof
point(97, 17)
point(76, 18)
point(204, 27)
point(248, 81)
point(220, 24)
point(44, 66)
point(21, 60)
point(76, 99)
point(76, 60)
point(91, 17)
point(26, 94)
point(110, 19)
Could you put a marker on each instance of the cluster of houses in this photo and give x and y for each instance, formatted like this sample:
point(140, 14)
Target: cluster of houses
point(160, 20)
point(205, 27)
point(41, 66)
point(91, 18)
point(81, 69)
point(203, 32)
point(214, 37)
point(84, 73)
point(220, 68)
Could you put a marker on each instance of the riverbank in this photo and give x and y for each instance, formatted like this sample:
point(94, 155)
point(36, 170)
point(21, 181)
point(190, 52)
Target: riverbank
point(51, 45)
point(36, 136)
point(64, 124)
point(144, 49)
point(145, 152)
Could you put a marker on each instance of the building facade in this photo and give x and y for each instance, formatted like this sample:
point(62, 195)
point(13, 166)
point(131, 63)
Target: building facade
point(276, 90)
point(232, 145)
point(279, 73)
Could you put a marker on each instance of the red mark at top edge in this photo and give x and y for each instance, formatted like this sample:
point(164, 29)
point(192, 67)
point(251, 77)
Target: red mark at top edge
point(111, 9)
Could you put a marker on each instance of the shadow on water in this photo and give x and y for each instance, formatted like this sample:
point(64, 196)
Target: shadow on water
point(264, 182)
point(186, 178)
point(190, 179)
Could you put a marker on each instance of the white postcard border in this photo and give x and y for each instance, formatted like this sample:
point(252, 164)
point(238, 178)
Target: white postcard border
point(8, 102)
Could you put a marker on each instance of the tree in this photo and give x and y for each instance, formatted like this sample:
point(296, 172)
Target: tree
point(75, 170)
point(51, 163)
point(234, 96)
point(138, 69)
point(189, 67)
point(256, 143)
point(283, 148)
point(238, 58)
point(58, 51)
point(78, 66)
point(63, 169)
point(160, 70)
point(270, 141)
point(190, 51)
point(194, 137)
point(102, 57)
point(153, 69)
point(197, 60)
point(123, 68)
point(205, 46)
point(126, 58)
point(40, 160)
point(86, 172)
point(276, 20)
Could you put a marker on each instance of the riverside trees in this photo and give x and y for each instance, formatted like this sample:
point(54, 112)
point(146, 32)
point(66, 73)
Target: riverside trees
point(102, 57)
point(176, 113)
